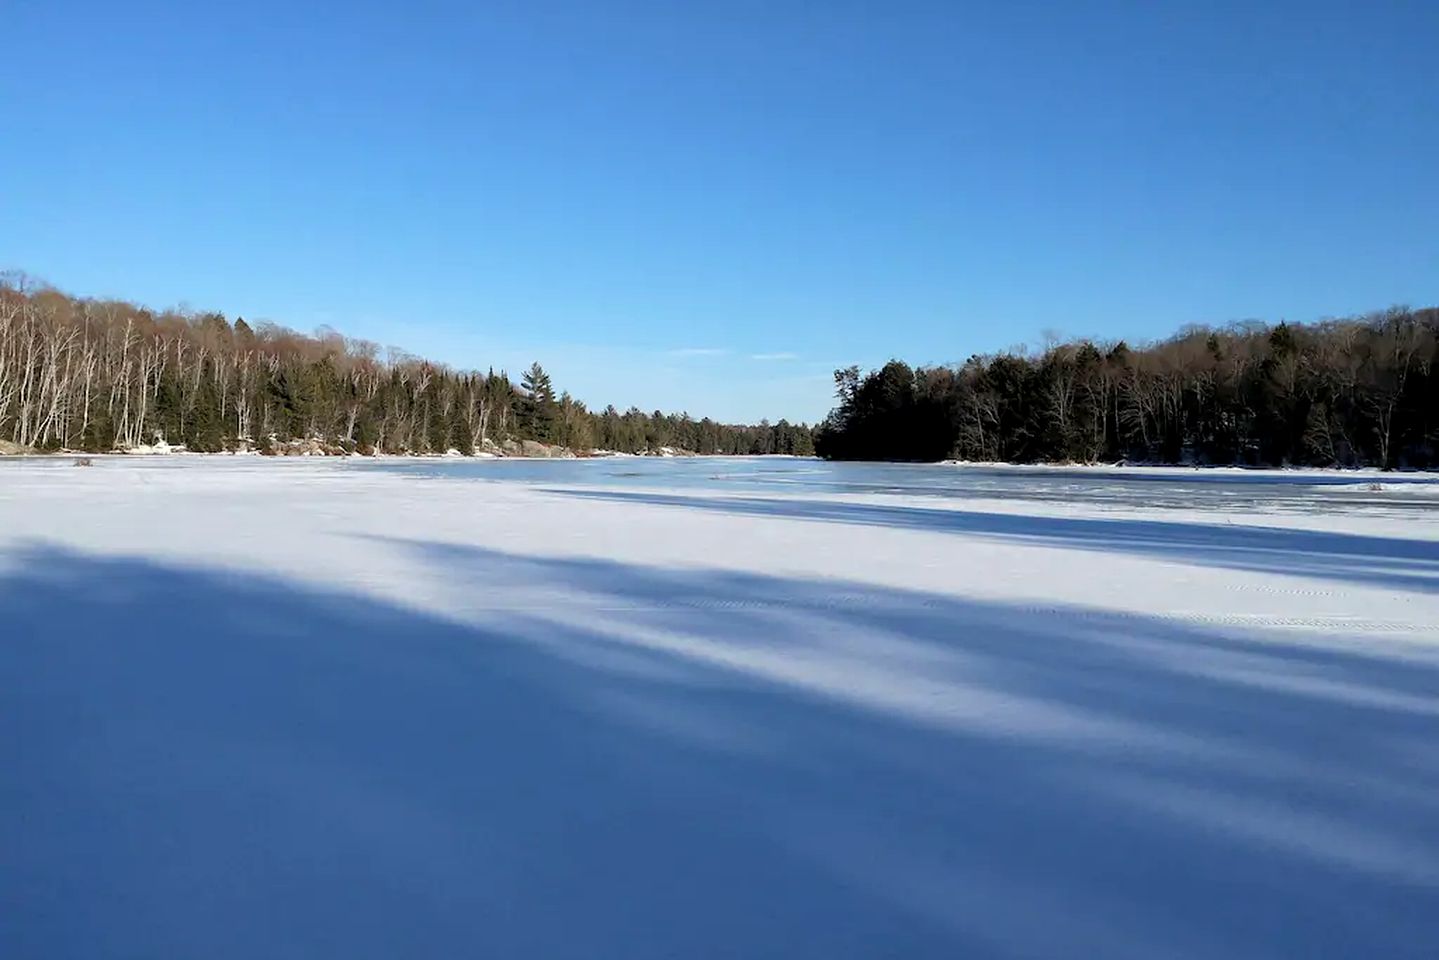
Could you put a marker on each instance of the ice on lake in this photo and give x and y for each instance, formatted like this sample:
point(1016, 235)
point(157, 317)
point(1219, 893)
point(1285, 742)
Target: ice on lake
point(716, 708)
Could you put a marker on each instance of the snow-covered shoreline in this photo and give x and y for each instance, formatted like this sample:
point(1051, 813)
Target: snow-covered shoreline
point(1121, 469)
point(1395, 477)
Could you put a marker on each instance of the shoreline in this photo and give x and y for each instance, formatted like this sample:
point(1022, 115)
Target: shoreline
point(1101, 469)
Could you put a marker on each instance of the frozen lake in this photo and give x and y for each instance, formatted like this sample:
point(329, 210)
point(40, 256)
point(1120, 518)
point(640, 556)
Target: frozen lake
point(1220, 489)
point(715, 708)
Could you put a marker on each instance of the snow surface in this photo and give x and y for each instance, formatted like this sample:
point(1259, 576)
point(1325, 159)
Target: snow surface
point(714, 708)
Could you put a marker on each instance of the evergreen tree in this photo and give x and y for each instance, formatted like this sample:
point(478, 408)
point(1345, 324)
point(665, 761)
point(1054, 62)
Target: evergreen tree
point(206, 431)
point(538, 404)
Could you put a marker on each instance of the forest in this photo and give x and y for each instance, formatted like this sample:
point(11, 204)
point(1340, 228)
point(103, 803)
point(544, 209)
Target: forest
point(101, 375)
point(1352, 392)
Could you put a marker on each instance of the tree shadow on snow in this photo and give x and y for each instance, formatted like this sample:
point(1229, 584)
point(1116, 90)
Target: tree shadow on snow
point(601, 760)
point(1395, 563)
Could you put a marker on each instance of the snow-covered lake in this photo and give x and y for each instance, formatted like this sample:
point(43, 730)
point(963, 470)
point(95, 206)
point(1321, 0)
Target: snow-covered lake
point(1224, 489)
point(715, 708)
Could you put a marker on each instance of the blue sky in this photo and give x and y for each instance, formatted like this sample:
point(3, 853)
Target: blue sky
point(708, 206)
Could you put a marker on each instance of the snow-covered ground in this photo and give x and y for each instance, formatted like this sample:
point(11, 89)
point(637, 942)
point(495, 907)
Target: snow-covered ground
point(704, 708)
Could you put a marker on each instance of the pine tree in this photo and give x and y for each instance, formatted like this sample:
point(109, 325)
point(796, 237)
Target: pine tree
point(205, 431)
point(538, 405)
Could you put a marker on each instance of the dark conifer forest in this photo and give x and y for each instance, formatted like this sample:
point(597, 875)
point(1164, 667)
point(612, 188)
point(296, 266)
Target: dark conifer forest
point(100, 375)
point(1356, 392)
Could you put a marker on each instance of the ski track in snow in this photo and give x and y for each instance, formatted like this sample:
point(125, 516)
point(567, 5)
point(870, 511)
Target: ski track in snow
point(715, 709)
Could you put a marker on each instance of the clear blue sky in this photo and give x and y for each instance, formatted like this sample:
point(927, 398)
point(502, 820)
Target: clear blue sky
point(707, 206)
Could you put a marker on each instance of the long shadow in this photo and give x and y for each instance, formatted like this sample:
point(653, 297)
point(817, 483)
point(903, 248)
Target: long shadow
point(1400, 564)
point(601, 760)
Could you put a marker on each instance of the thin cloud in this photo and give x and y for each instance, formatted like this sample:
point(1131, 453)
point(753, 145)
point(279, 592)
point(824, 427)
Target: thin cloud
point(774, 356)
point(699, 352)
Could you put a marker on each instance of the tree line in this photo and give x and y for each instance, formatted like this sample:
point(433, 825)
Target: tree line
point(1354, 392)
point(100, 375)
